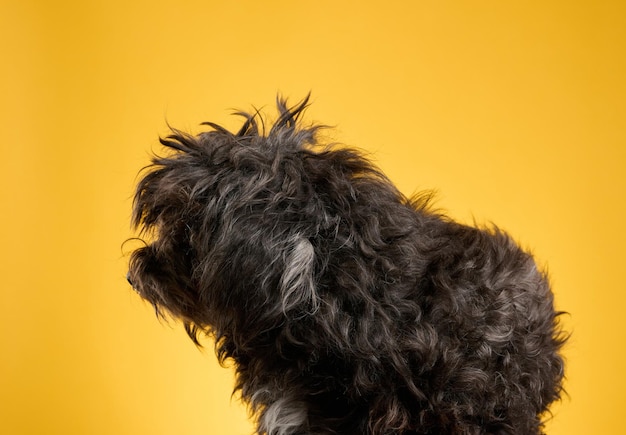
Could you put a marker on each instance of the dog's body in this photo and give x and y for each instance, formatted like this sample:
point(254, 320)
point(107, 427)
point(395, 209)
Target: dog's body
point(347, 308)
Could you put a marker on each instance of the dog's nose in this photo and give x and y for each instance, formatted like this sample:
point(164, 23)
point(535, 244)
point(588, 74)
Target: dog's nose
point(128, 279)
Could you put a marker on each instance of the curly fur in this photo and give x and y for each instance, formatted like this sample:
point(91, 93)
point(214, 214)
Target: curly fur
point(346, 307)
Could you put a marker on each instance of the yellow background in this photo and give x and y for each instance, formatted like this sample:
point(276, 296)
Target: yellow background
point(514, 111)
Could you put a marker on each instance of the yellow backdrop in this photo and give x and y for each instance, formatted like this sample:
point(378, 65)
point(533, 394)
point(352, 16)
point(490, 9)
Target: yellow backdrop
point(514, 111)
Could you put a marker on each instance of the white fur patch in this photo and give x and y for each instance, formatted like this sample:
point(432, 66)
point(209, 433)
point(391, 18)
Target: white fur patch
point(283, 417)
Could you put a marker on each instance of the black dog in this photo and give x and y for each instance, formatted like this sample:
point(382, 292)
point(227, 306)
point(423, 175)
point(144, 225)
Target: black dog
point(346, 307)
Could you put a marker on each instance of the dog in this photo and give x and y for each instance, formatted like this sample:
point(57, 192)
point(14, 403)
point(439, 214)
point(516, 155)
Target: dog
point(346, 307)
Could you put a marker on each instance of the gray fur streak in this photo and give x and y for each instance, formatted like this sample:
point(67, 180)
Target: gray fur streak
point(297, 285)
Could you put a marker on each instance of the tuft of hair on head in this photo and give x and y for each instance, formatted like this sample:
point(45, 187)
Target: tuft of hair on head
point(288, 122)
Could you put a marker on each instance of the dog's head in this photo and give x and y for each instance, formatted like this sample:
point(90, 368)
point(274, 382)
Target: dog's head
point(233, 222)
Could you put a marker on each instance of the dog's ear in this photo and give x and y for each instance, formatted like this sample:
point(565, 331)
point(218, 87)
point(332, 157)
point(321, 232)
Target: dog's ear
point(297, 284)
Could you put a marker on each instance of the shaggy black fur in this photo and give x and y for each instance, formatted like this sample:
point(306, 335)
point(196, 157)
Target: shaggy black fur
point(346, 307)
